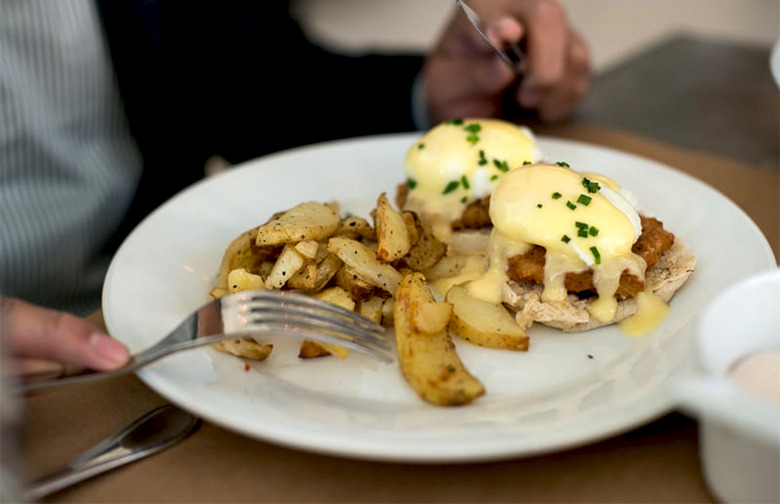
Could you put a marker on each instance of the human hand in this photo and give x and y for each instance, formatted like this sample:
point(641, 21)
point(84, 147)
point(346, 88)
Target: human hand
point(38, 339)
point(465, 78)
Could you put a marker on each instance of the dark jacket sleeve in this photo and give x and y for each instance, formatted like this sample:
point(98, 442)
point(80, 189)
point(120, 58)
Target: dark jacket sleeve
point(269, 88)
point(240, 79)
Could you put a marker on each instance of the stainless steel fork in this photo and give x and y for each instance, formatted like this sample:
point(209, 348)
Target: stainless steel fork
point(512, 55)
point(245, 314)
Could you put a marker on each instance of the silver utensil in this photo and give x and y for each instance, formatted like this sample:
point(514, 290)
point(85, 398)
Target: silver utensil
point(152, 433)
point(512, 55)
point(245, 314)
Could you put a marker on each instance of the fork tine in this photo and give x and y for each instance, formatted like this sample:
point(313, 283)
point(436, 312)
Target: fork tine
point(377, 349)
point(294, 302)
point(304, 317)
point(323, 323)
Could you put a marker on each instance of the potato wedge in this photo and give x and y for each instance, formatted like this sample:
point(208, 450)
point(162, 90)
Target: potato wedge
point(286, 266)
point(356, 228)
point(305, 279)
point(308, 249)
point(348, 279)
point(311, 350)
point(246, 348)
point(304, 222)
point(339, 297)
point(432, 317)
point(336, 296)
point(429, 360)
point(391, 233)
point(483, 323)
point(240, 279)
point(242, 253)
point(427, 250)
point(326, 269)
point(364, 263)
point(371, 308)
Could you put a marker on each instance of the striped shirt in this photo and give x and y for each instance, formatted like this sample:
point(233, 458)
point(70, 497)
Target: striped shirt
point(68, 164)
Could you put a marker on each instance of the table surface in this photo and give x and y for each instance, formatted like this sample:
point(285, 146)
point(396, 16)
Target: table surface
point(696, 93)
point(659, 462)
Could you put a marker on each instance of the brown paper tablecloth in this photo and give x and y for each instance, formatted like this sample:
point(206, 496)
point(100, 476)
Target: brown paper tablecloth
point(655, 463)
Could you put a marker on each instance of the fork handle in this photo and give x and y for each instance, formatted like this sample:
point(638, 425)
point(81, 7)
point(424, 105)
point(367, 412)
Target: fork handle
point(68, 376)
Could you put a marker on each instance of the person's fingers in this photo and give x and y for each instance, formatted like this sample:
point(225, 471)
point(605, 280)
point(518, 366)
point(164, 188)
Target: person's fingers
point(33, 332)
point(21, 367)
point(559, 101)
point(547, 39)
point(505, 31)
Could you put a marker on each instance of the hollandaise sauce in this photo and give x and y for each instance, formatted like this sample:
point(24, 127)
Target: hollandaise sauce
point(651, 311)
point(458, 162)
point(582, 224)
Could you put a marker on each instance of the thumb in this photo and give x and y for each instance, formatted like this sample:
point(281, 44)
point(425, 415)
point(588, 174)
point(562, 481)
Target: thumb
point(33, 332)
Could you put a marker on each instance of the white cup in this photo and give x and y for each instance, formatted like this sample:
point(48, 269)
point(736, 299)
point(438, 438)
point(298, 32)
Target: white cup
point(739, 425)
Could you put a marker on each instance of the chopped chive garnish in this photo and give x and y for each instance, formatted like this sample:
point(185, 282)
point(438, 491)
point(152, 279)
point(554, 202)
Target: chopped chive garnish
point(494, 178)
point(584, 199)
point(571, 205)
point(527, 162)
point(482, 159)
point(596, 254)
point(593, 231)
point(451, 187)
point(465, 182)
point(457, 121)
point(563, 163)
point(592, 187)
point(581, 225)
point(565, 239)
point(473, 129)
point(556, 195)
point(411, 183)
point(539, 205)
point(464, 199)
point(421, 146)
point(501, 165)
point(582, 233)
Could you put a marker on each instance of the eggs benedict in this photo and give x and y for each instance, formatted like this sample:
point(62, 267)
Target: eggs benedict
point(452, 170)
point(571, 250)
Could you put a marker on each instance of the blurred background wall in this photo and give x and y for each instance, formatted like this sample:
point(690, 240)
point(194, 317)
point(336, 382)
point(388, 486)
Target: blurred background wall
point(614, 29)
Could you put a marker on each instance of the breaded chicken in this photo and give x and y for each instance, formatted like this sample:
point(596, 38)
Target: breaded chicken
point(652, 243)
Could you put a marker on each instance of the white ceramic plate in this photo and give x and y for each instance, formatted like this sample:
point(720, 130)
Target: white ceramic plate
point(566, 391)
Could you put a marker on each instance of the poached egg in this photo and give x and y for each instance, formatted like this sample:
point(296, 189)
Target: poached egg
point(460, 161)
point(584, 221)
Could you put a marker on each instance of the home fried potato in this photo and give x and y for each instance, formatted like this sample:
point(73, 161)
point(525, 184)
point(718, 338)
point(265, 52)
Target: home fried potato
point(483, 323)
point(356, 228)
point(363, 261)
point(427, 356)
point(426, 249)
point(304, 222)
point(371, 308)
point(312, 349)
point(286, 266)
point(349, 279)
point(391, 234)
point(241, 253)
point(240, 279)
point(245, 348)
point(308, 249)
